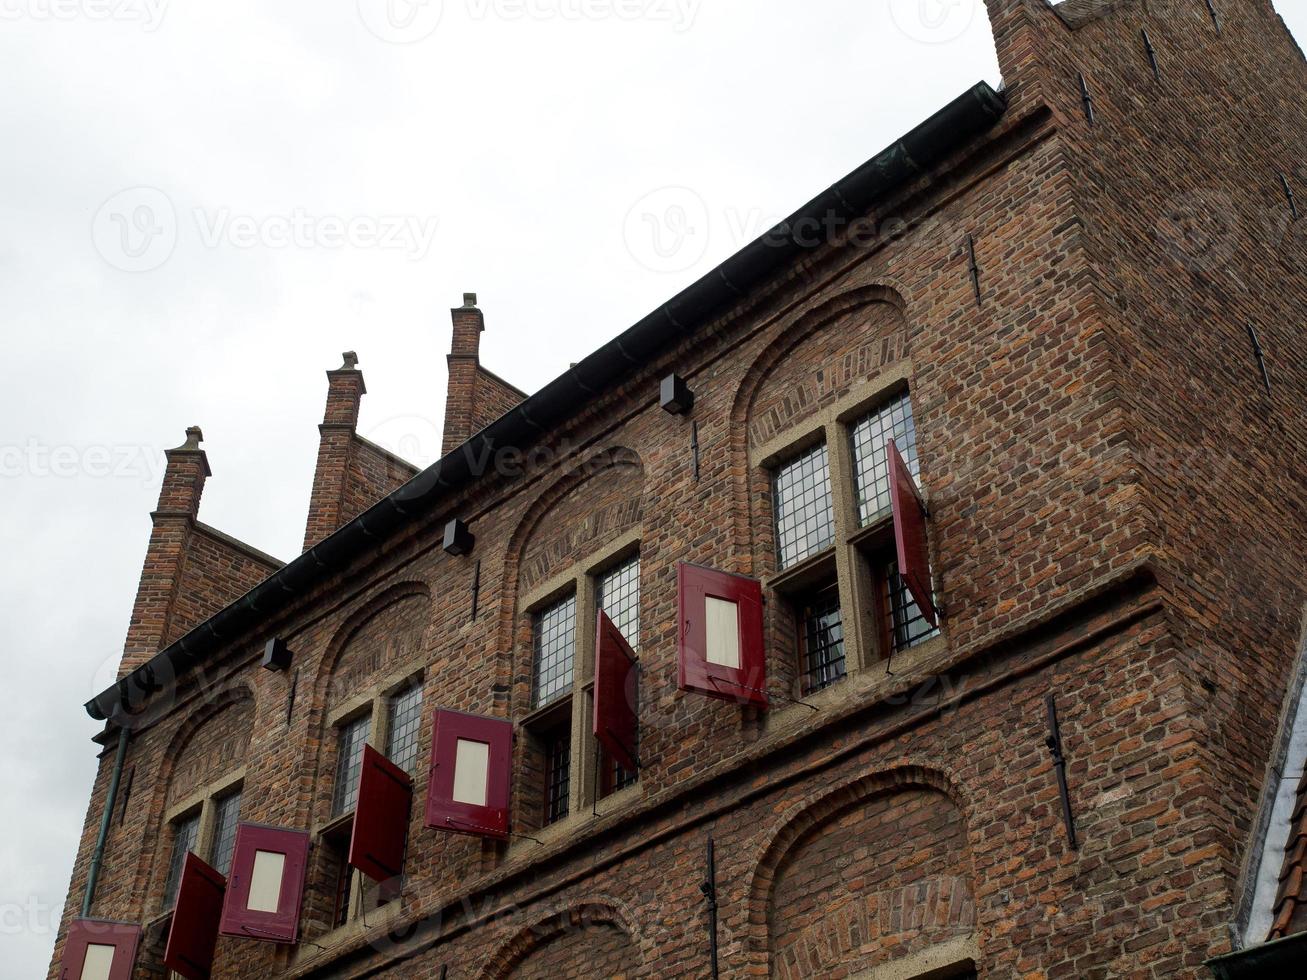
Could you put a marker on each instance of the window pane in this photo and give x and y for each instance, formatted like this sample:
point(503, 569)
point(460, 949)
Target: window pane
point(226, 816)
point(619, 597)
point(555, 649)
point(823, 639)
point(558, 765)
point(405, 721)
point(185, 836)
point(908, 626)
point(349, 760)
point(805, 518)
point(870, 463)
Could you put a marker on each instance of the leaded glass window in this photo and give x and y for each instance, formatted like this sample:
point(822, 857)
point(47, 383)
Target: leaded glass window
point(558, 765)
point(908, 625)
point(822, 633)
point(185, 837)
point(555, 651)
point(870, 462)
point(805, 517)
point(402, 733)
point(226, 817)
point(349, 761)
point(619, 597)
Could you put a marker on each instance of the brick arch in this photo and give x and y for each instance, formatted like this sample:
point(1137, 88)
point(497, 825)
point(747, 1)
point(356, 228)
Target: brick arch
point(213, 710)
point(879, 352)
point(558, 926)
point(803, 823)
point(376, 605)
point(547, 503)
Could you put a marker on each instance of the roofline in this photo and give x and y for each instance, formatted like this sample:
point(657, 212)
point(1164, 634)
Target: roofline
point(966, 117)
point(1255, 961)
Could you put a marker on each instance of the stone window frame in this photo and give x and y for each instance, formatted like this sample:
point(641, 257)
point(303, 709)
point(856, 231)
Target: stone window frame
point(851, 560)
point(580, 579)
point(374, 704)
point(204, 802)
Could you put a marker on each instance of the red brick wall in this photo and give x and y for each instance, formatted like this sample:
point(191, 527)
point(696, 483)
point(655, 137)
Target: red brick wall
point(1113, 521)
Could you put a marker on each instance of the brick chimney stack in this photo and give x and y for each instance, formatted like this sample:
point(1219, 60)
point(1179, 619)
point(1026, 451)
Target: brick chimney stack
point(476, 397)
point(191, 571)
point(352, 473)
point(345, 391)
point(183, 479)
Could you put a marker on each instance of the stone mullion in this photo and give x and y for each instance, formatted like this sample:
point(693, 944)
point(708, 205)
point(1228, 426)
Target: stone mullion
point(854, 597)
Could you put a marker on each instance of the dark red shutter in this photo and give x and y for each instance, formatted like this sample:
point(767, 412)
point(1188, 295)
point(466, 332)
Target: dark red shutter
point(380, 834)
point(746, 684)
point(616, 720)
point(910, 534)
point(194, 930)
point(92, 935)
point(446, 813)
point(281, 925)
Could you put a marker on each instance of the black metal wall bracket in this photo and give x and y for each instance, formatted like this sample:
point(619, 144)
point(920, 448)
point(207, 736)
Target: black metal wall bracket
point(1261, 358)
point(974, 268)
point(1087, 98)
point(1152, 55)
point(1054, 743)
point(1288, 195)
point(709, 889)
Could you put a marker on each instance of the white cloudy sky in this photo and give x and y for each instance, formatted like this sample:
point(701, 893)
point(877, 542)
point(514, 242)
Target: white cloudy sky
point(156, 156)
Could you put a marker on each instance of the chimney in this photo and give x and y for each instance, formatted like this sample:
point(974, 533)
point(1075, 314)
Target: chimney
point(475, 397)
point(345, 391)
point(173, 519)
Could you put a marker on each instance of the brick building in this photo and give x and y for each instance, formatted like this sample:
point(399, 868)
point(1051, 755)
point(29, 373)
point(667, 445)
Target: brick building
point(1074, 307)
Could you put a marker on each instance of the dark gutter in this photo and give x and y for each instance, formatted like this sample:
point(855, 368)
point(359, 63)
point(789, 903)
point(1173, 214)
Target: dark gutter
point(928, 145)
point(1285, 957)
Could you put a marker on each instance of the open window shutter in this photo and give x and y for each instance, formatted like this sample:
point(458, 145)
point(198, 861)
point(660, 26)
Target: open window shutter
point(720, 635)
point(194, 930)
point(380, 833)
point(616, 720)
point(267, 884)
point(471, 774)
point(99, 950)
point(910, 534)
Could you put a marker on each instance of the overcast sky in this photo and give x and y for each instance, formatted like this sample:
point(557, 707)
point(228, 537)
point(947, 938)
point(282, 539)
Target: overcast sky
point(202, 204)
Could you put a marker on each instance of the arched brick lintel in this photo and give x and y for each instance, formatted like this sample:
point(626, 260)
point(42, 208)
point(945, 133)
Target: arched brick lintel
point(549, 926)
point(803, 817)
point(808, 324)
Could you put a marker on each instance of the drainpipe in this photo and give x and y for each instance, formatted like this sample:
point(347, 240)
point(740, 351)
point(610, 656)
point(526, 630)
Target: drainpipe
point(97, 856)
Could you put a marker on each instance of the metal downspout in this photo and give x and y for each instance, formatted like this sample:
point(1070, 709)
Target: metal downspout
point(97, 856)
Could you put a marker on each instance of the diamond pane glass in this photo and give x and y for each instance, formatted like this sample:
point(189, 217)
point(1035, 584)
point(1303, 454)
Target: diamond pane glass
point(226, 816)
point(619, 597)
point(185, 836)
point(405, 722)
point(555, 650)
point(870, 463)
point(805, 517)
point(349, 760)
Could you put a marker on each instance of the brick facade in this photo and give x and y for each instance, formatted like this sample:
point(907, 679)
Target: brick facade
point(1115, 519)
